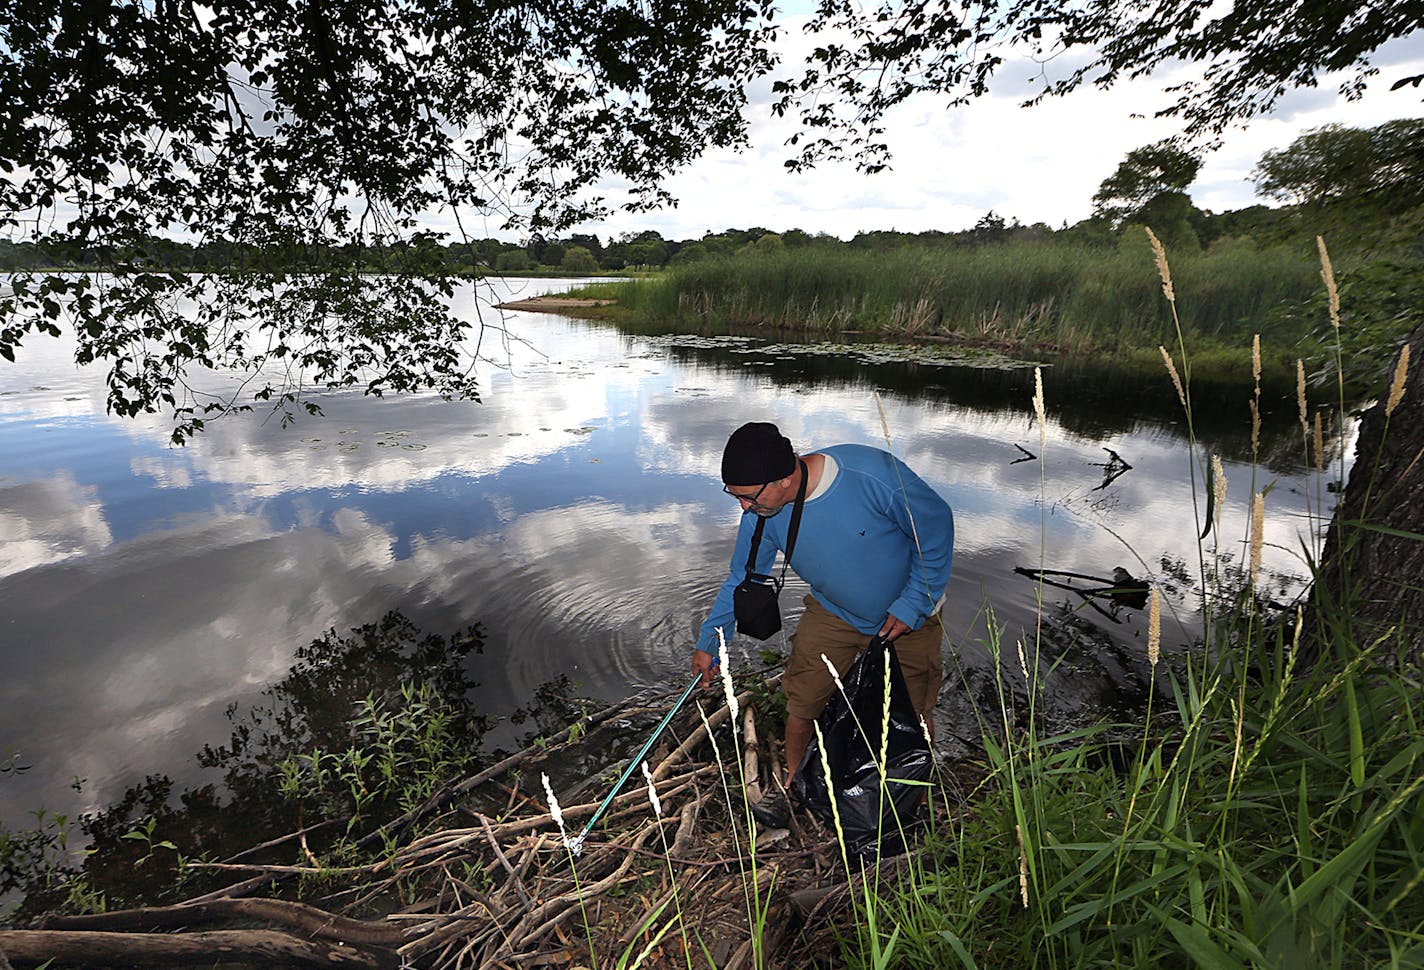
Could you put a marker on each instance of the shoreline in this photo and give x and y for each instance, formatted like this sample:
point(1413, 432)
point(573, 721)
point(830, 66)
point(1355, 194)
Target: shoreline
point(553, 304)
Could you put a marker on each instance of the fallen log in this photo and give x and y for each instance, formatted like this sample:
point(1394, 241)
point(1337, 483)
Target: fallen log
point(83, 948)
point(310, 920)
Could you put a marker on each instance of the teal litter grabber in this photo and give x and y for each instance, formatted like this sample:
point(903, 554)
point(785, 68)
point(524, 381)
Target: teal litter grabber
point(576, 844)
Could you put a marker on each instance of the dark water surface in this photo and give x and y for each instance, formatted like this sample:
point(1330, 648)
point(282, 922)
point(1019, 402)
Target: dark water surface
point(575, 514)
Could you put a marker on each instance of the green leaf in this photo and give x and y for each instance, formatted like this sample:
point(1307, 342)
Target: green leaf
point(1357, 742)
point(652, 917)
point(1340, 872)
point(957, 945)
point(1091, 908)
point(1198, 944)
point(1383, 529)
point(1304, 839)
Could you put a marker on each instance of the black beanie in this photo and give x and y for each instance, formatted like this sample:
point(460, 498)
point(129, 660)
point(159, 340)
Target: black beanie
point(757, 453)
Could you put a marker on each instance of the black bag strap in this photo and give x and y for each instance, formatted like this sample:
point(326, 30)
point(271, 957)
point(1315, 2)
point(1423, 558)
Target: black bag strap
point(791, 530)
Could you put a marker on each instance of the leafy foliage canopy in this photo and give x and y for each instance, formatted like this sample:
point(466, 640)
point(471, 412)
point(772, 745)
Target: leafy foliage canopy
point(323, 137)
point(1253, 51)
point(1383, 165)
point(1143, 175)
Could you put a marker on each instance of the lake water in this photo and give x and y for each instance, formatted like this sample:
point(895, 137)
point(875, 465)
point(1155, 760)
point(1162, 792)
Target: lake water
point(575, 514)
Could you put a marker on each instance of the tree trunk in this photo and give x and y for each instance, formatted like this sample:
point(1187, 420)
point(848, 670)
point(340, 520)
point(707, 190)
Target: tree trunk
point(1371, 584)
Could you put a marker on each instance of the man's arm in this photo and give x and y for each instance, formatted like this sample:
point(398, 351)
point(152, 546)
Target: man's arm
point(722, 616)
point(928, 523)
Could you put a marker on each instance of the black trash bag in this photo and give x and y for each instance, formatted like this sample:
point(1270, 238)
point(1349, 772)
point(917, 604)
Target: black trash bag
point(875, 818)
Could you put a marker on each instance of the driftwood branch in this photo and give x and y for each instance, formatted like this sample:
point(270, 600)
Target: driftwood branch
point(299, 916)
point(751, 769)
point(27, 948)
point(697, 738)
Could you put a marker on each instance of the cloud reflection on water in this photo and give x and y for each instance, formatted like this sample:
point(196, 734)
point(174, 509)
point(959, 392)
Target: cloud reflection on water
point(575, 514)
point(49, 521)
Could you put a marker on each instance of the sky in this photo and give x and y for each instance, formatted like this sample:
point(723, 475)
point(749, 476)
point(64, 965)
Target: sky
point(952, 165)
point(1039, 164)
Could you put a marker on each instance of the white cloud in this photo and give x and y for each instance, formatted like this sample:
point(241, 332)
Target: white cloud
point(183, 621)
point(1038, 164)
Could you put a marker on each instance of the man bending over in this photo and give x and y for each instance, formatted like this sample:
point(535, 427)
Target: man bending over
point(874, 543)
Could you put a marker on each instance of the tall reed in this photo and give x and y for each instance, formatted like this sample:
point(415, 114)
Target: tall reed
point(1071, 295)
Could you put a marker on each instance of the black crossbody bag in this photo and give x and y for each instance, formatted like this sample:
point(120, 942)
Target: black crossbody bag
point(754, 601)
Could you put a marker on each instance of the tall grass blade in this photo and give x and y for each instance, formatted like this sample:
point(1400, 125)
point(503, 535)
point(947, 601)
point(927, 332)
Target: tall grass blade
point(1198, 944)
point(957, 945)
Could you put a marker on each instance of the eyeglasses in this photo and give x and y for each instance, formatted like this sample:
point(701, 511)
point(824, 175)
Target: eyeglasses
point(745, 498)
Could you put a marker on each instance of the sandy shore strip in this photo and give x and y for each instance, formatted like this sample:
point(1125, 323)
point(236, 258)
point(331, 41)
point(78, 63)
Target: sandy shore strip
point(552, 304)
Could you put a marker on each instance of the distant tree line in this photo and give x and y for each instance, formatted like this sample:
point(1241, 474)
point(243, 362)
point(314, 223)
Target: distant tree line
point(1378, 171)
point(647, 250)
point(1171, 213)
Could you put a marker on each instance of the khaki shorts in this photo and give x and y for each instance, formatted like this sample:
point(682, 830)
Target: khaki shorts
point(808, 684)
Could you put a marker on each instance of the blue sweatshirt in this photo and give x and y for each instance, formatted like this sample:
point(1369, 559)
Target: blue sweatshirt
point(856, 546)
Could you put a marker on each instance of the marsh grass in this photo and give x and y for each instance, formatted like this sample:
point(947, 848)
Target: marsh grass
point(1061, 294)
point(1261, 846)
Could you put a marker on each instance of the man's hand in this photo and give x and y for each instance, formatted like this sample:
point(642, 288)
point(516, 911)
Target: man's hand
point(704, 663)
point(892, 628)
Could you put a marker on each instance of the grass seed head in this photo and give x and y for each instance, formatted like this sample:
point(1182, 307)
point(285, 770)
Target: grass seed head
point(1038, 409)
point(1300, 394)
point(726, 669)
point(831, 789)
point(1319, 443)
point(1255, 427)
point(1176, 379)
point(1218, 488)
point(835, 675)
point(885, 719)
point(652, 792)
point(1160, 255)
point(554, 809)
point(1396, 387)
point(1023, 857)
point(1327, 273)
point(1256, 360)
point(884, 421)
point(1154, 627)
